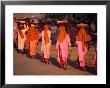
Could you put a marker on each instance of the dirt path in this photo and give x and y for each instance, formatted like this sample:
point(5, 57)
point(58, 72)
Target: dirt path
point(26, 66)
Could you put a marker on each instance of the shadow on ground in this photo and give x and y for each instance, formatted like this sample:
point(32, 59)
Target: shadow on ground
point(75, 65)
point(91, 70)
point(39, 57)
point(54, 61)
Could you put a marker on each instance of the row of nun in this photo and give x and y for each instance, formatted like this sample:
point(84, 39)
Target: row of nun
point(28, 36)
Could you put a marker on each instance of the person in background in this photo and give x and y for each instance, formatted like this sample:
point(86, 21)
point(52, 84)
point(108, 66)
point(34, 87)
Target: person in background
point(53, 28)
point(31, 41)
point(93, 32)
point(82, 40)
point(73, 33)
point(39, 30)
point(62, 45)
point(46, 43)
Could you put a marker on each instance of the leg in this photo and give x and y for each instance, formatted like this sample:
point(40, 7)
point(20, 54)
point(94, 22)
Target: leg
point(81, 55)
point(33, 49)
point(82, 65)
point(48, 53)
point(64, 63)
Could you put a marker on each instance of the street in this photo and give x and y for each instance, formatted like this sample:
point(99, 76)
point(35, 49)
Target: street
point(24, 65)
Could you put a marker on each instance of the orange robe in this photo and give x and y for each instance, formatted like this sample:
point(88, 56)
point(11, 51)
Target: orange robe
point(31, 39)
point(82, 35)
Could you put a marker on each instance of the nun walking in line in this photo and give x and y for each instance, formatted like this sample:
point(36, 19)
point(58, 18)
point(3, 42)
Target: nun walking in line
point(62, 45)
point(31, 41)
point(82, 40)
point(46, 43)
point(22, 38)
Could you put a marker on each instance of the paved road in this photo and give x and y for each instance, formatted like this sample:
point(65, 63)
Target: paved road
point(26, 66)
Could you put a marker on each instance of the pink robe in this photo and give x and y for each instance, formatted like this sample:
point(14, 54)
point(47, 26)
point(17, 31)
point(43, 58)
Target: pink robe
point(63, 49)
point(45, 48)
point(81, 53)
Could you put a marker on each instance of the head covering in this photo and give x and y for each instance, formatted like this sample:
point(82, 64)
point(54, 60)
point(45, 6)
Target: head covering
point(82, 34)
point(32, 26)
point(46, 36)
point(61, 23)
point(31, 34)
point(62, 35)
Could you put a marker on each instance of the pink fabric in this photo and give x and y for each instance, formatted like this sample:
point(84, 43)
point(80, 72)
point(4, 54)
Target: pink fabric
point(81, 53)
point(33, 47)
point(45, 48)
point(63, 50)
